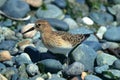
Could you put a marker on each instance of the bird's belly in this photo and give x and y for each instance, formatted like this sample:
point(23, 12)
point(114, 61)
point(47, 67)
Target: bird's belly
point(64, 51)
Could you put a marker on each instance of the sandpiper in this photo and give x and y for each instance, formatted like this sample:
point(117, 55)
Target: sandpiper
point(57, 41)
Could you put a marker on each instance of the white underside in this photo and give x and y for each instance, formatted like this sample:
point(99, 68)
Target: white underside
point(64, 51)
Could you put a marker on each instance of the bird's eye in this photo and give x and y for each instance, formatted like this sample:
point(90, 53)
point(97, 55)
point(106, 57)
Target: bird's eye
point(38, 25)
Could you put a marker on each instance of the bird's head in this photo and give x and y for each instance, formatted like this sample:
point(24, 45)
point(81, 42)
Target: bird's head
point(40, 25)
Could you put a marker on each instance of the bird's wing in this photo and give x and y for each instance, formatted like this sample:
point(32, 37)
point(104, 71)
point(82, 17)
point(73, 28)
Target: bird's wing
point(72, 38)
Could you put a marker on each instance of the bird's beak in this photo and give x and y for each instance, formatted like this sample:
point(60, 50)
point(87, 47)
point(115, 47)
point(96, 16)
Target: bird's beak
point(33, 28)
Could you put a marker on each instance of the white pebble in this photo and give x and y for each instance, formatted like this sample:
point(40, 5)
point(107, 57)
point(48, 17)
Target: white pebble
point(87, 20)
point(101, 32)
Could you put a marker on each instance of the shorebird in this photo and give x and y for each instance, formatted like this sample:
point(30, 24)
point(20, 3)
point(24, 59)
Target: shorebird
point(57, 41)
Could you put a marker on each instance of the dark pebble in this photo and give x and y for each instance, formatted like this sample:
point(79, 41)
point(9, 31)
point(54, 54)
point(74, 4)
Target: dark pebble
point(50, 65)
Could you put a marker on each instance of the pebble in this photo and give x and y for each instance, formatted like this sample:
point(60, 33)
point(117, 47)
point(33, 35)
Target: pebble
point(93, 42)
point(76, 78)
point(75, 68)
point(92, 77)
point(101, 32)
point(37, 77)
point(83, 75)
point(58, 24)
point(104, 58)
point(10, 45)
point(84, 54)
point(2, 68)
point(116, 64)
point(40, 46)
point(22, 59)
point(2, 2)
point(52, 11)
point(33, 53)
point(114, 1)
point(50, 65)
point(101, 18)
point(110, 45)
point(25, 43)
point(8, 33)
point(16, 8)
point(56, 77)
point(5, 55)
point(8, 63)
point(3, 77)
point(2, 37)
point(100, 69)
point(32, 69)
point(87, 20)
point(22, 72)
point(115, 74)
point(60, 3)
point(112, 34)
point(81, 30)
point(7, 23)
point(27, 27)
point(9, 72)
point(34, 3)
point(72, 24)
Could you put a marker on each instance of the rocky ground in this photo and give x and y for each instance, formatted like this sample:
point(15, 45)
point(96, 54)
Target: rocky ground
point(24, 57)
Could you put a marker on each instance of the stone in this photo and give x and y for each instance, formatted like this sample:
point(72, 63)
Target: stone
point(8, 33)
point(2, 68)
point(60, 3)
point(116, 64)
point(112, 34)
point(76, 78)
point(7, 23)
point(40, 46)
point(110, 45)
point(18, 8)
point(2, 2)
point(22, 72)
point(92, 77)
point(34, 3)
point(105, 59)
point(84, 54)
point(50, 65)
point(24, 43)
point(87, 20)
point(83, 75)
point(75, 68)
point(37, 77)
point(32, 69)
point(101, 18)
point(81, 30)
point(56, 77)
point(23, 59)
point(27, 27)
point(51, 11)
point(101, 32)
point(5, 55)
point(2, 37)
point(112, 74)
point(8, 63)
point(33, 53)
point(76, 9)
point(9, 72)
point(10, 45)
point(100, 69)
point(72, 24)
point(58, 24)
point(93, 44)
point(114, 1)
point(3, 77)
